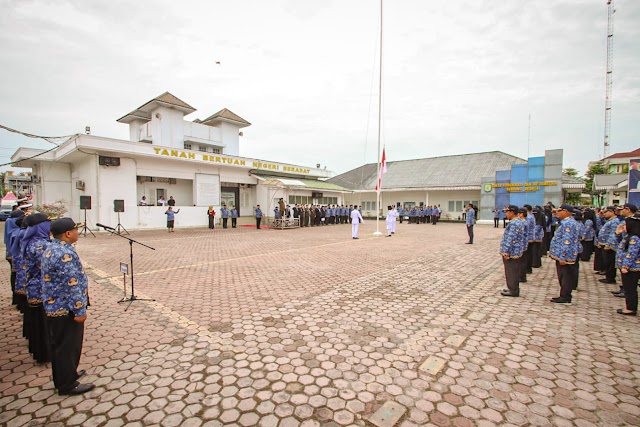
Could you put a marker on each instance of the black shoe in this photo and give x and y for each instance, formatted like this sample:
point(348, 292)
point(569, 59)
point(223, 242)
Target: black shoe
point(626, 313)
point(619, 295)
point(81, 373)
point(606, 281)
point(559, 300)
point(617, 292)
point(509, 294)
point(393, 232)
point(522, 280)
point(79, 389)
point(468, 243)
point(600, 273)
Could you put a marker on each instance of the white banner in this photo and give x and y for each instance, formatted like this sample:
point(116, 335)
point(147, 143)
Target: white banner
point(207, 190)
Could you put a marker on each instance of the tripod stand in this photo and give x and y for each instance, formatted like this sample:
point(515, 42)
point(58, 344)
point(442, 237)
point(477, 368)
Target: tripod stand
point(85, 229)
point(133, 296)
point(119, 228)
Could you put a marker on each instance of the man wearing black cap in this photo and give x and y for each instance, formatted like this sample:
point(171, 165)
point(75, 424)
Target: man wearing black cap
point(511, 249)
point(564, 249)
point(65, 295)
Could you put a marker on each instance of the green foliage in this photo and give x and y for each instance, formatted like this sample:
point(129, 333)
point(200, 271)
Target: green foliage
point(598, 168)
point(570, 172)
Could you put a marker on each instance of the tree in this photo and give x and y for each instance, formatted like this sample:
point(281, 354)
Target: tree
point(598, 168)
point(570, 172)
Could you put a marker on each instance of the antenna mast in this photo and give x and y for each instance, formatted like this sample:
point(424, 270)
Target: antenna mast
point(609, 86)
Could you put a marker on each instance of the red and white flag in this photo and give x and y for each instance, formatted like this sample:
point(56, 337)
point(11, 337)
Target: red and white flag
point(383, 170)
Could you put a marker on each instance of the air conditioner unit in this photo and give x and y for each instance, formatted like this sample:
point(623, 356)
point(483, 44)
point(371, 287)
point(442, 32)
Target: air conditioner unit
point(36, 179)
point(80, 185)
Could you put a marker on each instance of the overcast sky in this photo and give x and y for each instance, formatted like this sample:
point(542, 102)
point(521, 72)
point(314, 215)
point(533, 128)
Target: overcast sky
point(459, 76)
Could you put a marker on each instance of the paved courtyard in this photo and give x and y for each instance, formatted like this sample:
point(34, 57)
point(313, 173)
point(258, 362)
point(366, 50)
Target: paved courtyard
point(309, 327)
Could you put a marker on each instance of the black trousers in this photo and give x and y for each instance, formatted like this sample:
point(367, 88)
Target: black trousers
point(66, 337)
point(211, 222)
point(522, 262)
point(496, 222)
point(257, 223)
point(434, 219)
point(529, 257)
point(470, 233)
point(224, 222)
point(234, 222)
point(630, 286)
point(39, 345)
point(598, 264)
point(13, 284)
point(512, 274)
point(504, 223)
point(609, 258)
point(536, 249)
point(587, 250)
point(567, 277)
point(401, 217)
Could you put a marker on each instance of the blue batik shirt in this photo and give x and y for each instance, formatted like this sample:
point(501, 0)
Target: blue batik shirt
point(628, 257)
point(17, 261)
point(612, 239)
point(471, 216)
point(566, 241)
point(538, 233)
point(234, 213)
point(66, 288)
point(258, 213)
point(581, 231)
point(224, 212)
point(589, 230)
point(33, 262)
point(513, 240)
point(531, 227)
point(603, 234)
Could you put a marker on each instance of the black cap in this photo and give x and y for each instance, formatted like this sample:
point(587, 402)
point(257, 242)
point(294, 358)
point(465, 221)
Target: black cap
point(17, 213)
point(529, 207)
point(577, 215)
point(611, 208)
point(567, 207)
point(62, 225)
point(523, 211)
point(35, 219)
point(633, 208)
point(512, 208)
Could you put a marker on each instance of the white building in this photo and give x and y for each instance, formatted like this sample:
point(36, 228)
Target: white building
point(197, 162)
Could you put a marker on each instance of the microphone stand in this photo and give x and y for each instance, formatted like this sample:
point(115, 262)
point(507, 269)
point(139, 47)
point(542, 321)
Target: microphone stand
point(133, 296)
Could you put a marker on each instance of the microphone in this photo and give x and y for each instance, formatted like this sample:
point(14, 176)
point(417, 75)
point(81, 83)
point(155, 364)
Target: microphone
point(105, 227)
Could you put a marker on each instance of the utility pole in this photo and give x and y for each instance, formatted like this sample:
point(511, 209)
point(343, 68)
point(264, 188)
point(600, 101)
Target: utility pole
point(609, 84)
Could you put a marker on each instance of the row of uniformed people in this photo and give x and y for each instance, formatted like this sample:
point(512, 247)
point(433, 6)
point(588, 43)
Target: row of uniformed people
point(420, 215)
point(51, 292)
point(316, 215)
point(617, 249)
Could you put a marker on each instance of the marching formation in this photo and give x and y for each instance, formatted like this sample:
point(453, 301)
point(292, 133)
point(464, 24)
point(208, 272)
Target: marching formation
point(51, 291)
point(570, 235)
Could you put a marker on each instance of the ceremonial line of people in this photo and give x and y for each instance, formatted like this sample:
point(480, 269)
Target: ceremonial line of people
point(50, 289)
point(570, 235)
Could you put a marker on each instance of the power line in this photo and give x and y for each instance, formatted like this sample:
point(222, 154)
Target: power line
point(30, 135)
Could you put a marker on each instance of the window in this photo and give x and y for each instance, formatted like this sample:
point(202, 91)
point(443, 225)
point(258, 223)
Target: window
point(216, 150)
point(300, 200)
point(202, 148)
point(187, 146)
point(452, 206)
point(458, 206)
point(327, 201)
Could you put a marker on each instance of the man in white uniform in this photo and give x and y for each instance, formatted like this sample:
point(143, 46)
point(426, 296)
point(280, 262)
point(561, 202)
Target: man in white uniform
point(356, 219)
point(395, 217)
point(390, 220)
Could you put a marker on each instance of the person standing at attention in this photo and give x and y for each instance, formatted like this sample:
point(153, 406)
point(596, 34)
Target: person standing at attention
point(564, 250)
point(356, 219)
point(234, 217)
point(225, 215)
point(170, 213)
point(471, 217)
point(65, 295)
point(511, 249)
point(258, 216)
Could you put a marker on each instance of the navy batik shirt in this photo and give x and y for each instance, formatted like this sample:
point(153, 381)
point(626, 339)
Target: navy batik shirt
point(33, 260)
point(65, 287)
point(628, 257)
point(566, 241)
point(514, 239)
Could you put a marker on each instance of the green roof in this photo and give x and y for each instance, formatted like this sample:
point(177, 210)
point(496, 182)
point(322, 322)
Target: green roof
point(306, 183)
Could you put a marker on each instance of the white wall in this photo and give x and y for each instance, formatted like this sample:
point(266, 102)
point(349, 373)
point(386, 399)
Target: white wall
point(168, 129)
point(84, 170)
point(231, 138)
point(56, 182)
point(117, 182)
point(154, 217)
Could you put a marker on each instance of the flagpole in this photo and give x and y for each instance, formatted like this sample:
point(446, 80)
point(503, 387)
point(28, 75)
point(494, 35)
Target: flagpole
point(379, 189)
